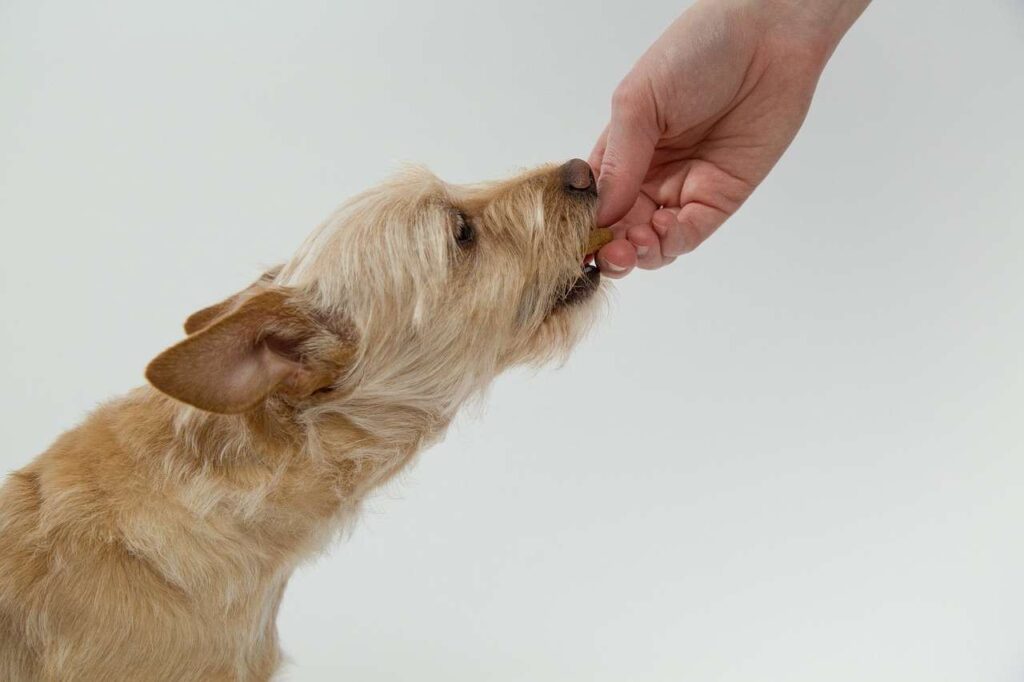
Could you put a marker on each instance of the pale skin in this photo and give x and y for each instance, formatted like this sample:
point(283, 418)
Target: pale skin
point(702, 118)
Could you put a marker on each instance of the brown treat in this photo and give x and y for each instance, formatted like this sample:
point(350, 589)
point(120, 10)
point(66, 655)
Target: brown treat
point(598, 238)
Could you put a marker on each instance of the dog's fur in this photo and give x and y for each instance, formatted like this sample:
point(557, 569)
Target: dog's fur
point(153, 542)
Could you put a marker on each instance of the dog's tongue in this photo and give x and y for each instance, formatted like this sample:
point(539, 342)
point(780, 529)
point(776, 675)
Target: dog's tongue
point(598, 238)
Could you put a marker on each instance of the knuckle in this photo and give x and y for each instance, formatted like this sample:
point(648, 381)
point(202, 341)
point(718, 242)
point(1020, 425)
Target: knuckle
point(680, 239)
point(610, 166)
point(627, 99)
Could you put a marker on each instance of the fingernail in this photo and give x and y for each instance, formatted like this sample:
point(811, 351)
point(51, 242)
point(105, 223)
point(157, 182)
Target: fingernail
point(613, 267)
point(641, 251)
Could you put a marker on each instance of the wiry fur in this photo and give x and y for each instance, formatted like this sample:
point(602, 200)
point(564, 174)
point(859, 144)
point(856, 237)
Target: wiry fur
point(153, 542)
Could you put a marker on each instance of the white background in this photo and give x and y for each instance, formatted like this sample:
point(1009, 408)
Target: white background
point(795, 455)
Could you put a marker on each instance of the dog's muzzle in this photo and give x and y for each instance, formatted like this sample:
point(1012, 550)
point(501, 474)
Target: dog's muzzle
point(586, 284)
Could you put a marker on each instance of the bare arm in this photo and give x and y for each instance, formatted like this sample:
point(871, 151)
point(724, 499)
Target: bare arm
point(703, 117)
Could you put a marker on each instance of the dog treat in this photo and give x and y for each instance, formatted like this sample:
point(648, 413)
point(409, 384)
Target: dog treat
point(598, 238)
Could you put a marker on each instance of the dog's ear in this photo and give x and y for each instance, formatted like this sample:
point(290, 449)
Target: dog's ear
point(205, 317)
point(268, 343)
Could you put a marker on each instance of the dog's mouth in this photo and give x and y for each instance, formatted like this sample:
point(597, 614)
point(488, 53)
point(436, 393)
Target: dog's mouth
point(584, 286)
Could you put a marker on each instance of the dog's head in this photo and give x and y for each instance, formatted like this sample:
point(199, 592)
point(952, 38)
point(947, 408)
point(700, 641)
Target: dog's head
point(415, 292)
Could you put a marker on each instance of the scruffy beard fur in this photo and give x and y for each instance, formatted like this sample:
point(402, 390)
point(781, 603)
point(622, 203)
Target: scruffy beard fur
point(154, 541)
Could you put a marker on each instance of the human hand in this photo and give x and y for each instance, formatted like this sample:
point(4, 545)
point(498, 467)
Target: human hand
point(703, 116)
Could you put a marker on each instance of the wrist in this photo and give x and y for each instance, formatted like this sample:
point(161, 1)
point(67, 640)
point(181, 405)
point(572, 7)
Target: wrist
point(820, 24)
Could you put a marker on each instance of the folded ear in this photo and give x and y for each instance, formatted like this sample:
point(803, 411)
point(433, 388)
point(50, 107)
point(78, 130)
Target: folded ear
point(203, 318)
point(266, 344)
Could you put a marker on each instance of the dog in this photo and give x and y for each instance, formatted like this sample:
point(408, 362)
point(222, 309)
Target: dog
point(154, 541)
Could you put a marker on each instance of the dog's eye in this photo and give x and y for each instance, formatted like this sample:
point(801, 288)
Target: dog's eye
point(465, 233)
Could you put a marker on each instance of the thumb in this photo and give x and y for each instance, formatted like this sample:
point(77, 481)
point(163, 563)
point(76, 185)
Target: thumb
point(628, 149)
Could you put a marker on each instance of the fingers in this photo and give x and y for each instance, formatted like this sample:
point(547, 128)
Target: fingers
point(648, 246)
point(617, 258)
point(597, 153)
point(624, 154)
point(681, 230)
point(671, 233)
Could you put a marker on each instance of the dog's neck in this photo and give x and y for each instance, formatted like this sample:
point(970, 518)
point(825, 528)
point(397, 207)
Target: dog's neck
point(253, 495)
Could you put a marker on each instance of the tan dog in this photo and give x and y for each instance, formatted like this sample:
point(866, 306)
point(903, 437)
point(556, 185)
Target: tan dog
point(154, 541)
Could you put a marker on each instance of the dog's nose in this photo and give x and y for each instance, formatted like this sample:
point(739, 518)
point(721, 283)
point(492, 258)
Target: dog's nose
point(578, 177)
